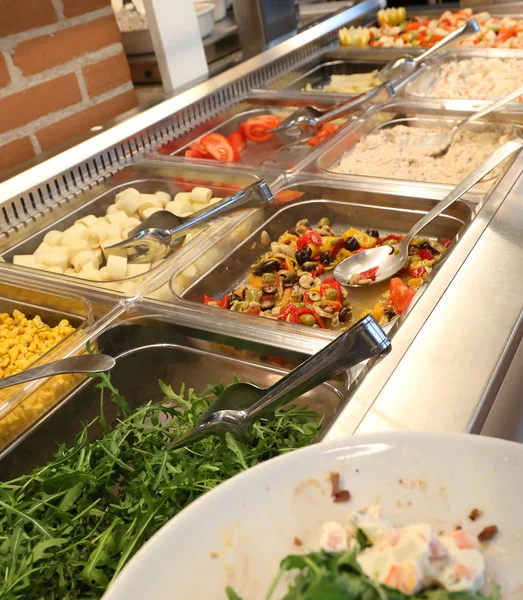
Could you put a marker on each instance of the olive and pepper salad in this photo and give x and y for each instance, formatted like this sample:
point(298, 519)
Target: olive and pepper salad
point(291, 282)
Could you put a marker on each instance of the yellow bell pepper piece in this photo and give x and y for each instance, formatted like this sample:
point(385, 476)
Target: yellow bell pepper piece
point(255, 281)
point(365, 240)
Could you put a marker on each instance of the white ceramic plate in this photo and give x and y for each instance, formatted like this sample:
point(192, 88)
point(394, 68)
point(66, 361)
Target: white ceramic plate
point(237, 534)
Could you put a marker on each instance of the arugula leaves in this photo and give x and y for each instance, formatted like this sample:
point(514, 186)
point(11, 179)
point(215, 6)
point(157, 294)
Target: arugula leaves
point(338, 576)
point(68, 528)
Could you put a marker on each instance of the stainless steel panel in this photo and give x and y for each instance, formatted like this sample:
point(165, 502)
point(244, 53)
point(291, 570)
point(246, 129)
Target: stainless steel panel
point(148, 350)
point(416, 114)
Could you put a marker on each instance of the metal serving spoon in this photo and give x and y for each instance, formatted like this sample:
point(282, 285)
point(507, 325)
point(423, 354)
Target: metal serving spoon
point(242, 404)
point(442, 142)
point(391, 74)
point(84, 363)
point(391, 259)
point(155, 237)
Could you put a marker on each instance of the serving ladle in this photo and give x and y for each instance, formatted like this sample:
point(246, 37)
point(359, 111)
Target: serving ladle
point(389, 260)
point(83, 363)
point(242, 404)
point(391, 75)
point(155, 237)
point(440, 143)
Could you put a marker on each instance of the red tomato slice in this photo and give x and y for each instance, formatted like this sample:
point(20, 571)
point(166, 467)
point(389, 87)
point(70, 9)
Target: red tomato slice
point(256, 129)
point(400, 294)
point(369, 273)
point(192, 153)
point(286, 196)
point(237, 141)
point(218, 146)
point(413, 26)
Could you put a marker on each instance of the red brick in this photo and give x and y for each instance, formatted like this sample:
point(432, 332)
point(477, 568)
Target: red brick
point(23, 107)
point(82, 121)
point(5, 78)
point(23, 15)
point(106, 74)
point(46, 51)
point(73, 8)
point(15, 152)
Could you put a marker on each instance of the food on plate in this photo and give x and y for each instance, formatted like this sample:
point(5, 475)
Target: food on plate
point(402, 152)
point(290, 282)
point(70, 526)
point(370, 558)
point(355, 83)
point(218, 147)
point(472, 78)
point(394, 31)
point(83, 251)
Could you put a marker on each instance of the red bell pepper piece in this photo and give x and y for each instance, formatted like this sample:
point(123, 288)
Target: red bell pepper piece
point(223, 303)
point(392, 236)
point(447, 243)
point(311, 237)
point(425, 254)
point(337, 247)
point(331, 283)
point(418, 272)
point(369, 273)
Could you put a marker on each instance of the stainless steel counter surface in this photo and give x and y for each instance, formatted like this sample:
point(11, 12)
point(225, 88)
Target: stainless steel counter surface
point(452, 353)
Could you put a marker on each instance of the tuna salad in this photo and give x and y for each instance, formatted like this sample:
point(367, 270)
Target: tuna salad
point(472, 78)
point(403, 152)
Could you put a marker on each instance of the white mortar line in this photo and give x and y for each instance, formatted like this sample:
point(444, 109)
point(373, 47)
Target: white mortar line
point(36, 144)
point(10, 41)
point(21, 83)
point(59, 115)
point(59, 8)
point(82, 85)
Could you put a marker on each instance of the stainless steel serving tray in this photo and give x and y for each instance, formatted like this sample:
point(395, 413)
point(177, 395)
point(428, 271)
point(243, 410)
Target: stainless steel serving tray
point(269, 156)
point(146, 177)
point(419, 114)
point(419, 85)
point(385, 211)
point(148, 350)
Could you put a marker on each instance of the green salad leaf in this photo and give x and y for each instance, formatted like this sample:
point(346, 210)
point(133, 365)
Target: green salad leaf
point(69, 527)
point(338, 576)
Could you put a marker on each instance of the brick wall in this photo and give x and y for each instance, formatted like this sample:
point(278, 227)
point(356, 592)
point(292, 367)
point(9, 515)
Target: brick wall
point(62, 71)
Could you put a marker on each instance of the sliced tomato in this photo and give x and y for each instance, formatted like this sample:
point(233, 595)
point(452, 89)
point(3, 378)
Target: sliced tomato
point(400, 294)
point(287, 196)
point(218, 146)
point(190, 153)
point(369, 273)
point(256, 128)
point(237, 141)
point(413, 26)
point(324, 132)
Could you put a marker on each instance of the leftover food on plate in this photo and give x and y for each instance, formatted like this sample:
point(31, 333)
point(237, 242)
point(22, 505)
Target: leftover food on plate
point(291, 281)
point(471, 78)
point(355, 83)
point(70, 526)
point(218, 147)
point(370, 558)
point(402, 152)
point(83, 250)
point(394, 30)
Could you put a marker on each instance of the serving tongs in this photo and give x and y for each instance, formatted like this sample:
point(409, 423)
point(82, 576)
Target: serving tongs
point(155, 237)
point(391, 75)
point(242, 404)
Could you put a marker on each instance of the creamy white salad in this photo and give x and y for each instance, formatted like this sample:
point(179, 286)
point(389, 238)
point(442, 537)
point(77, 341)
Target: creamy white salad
point(472, 78)
point(409, 559)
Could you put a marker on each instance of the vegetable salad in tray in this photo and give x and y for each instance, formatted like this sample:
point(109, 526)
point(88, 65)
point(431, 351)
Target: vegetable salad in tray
point(283, 270)
point(394, 30)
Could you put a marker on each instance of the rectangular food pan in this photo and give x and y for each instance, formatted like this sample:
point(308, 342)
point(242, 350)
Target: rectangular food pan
point(147, 350)
point(272, 155)
point(424, 84)
point(147, 177)
point(384, 211)
point(21, 342)
point(382, 120)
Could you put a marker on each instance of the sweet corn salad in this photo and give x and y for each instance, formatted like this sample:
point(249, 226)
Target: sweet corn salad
point(24, 340)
